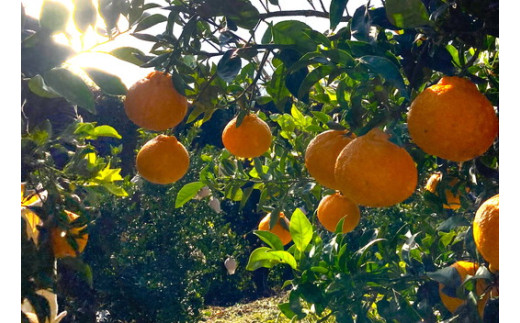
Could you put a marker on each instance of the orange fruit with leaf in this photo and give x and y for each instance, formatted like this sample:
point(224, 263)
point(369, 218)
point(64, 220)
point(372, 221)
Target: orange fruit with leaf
point(281, 228)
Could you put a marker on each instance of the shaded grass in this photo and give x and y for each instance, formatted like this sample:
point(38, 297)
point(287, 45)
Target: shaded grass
point(263, 310)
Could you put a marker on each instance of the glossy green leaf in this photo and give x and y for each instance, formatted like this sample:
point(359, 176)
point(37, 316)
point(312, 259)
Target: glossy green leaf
point(337, 8)
point(448, 276)
point(84, 14)
point(37, 86)
point(229, 66)
point(313, 77)
point(407, 13)
point(54, 16)
point(108, 83)
point(387, 69)
point(129, 54)
point(260, 257)
point(294, 32)
point(91, 132)
point(71, 87)
point(301, 229)
point(150, 21)
point(187, 192)
point(246, 193)
point(270, 238)
point(268, 35)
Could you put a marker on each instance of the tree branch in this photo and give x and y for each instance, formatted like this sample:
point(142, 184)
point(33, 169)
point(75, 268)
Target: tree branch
point(306, 13)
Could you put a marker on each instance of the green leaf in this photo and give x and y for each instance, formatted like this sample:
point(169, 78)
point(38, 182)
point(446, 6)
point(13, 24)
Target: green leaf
point(337, 8)
point(91, 132)
point(108, 83)
point(105, 131)
point(71, 87)
point(454, 54)
point(301, 229)
point(150, 21)
point(448, 276)
point(313, 77)
point(129, 54)
point(387, 69)
point(114, 189)
point(187, 192)
point(229, 65)
point(246, 192)
point(267, 258)
point(84, 14)
point(407, 13)
point(54, 16)
point(360, 24)
point(242, 12)
point(37, 86)
point(259, 258)
point(268, 35)
point(285, 308)
point(294, 32)
point(284, 257)
point(270, 238)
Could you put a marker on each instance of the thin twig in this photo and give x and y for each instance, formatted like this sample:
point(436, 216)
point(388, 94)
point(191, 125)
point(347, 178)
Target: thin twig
point(305, 13)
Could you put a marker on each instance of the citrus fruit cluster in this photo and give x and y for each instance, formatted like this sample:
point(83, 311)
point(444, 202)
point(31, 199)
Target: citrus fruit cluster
point(368, 170)
point(450, 119)
point(153, 103)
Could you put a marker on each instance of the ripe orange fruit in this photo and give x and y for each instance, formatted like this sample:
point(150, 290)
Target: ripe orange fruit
point(452, 200)
point(154, 104)
point(162, 160)
point(59, 242)
point(250, 139)
point(278, 229)
point(333, 208)
point(453, 120)
point(372, 171)
point(485, 231)
point(465, 268)
point(321, 154)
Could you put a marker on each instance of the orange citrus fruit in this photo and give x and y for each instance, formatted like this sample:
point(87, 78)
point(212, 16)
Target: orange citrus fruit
point(372, 171)
point(465, 268)
point(162, 160)
point(333, 208)
point(452, 200)
point(485, 231)
point(321, 154)
point(154, 104)
point(278, 229)
point(250, 139)
point(453, 120)
point(59, 241)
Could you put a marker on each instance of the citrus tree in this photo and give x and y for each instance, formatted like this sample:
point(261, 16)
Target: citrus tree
point(376, 221)
point(63, 172)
